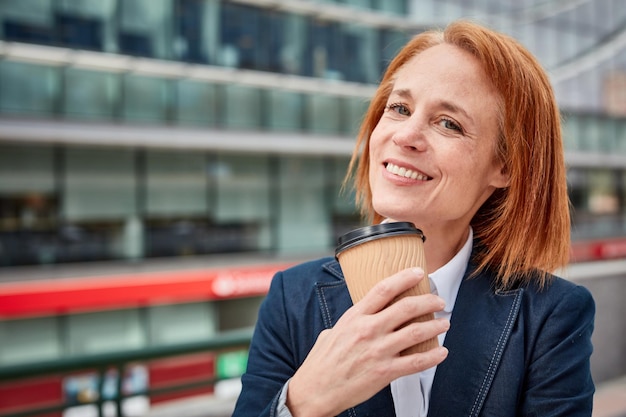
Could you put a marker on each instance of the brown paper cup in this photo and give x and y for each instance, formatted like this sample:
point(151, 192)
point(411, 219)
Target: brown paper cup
point(370, 254)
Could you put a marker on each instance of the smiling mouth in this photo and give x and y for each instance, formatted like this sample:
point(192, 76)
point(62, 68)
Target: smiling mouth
point(404, 172)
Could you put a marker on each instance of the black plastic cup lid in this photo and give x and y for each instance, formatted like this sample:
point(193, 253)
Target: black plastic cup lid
point(368, 233)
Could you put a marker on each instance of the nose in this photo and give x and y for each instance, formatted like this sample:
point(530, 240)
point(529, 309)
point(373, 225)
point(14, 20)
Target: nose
point(410, 135)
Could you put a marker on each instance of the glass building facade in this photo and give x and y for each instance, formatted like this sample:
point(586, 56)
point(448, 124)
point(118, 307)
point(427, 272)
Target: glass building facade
point(135, 129)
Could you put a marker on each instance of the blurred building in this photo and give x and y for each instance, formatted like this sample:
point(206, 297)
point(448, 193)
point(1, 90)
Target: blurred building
point(134, 129)
point(143, 129)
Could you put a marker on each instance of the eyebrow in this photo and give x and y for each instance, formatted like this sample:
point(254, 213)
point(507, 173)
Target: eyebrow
point(406, 94)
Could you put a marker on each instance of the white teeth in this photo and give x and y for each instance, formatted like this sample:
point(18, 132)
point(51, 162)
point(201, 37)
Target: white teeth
point(404, 172)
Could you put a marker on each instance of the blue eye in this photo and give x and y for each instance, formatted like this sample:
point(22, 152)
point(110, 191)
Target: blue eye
point(399, 108)
point(449, 124)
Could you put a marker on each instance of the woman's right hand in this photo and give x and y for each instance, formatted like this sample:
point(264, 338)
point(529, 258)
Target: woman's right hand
point(360, 355)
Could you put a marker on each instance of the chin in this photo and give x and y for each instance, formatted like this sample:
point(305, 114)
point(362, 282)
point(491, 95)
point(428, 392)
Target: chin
point(393, 215)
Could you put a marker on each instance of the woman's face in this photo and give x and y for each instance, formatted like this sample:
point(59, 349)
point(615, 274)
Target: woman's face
point(432, 154)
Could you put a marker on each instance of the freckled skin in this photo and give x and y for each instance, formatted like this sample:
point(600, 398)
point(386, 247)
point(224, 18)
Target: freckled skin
point(441, 121)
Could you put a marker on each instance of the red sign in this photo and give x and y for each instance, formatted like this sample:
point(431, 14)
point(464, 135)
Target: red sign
point(72, 295)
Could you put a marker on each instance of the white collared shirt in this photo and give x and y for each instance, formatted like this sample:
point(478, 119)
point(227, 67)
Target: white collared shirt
point(411, 393)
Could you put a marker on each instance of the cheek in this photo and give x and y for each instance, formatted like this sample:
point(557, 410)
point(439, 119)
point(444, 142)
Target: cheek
point(374, 152)
point(374, 143)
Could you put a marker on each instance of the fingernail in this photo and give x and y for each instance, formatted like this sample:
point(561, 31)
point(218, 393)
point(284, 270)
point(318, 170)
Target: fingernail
point(418, 271)
point(442, 351)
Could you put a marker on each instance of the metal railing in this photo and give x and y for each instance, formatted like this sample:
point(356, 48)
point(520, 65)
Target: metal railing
point(102, 363)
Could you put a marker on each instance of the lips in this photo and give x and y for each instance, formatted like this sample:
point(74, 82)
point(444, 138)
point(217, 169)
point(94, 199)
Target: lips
point(405, 172)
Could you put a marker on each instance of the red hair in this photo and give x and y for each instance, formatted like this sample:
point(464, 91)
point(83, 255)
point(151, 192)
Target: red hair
point(526, 226)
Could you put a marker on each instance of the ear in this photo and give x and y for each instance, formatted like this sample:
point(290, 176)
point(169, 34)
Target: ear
point(501, 179)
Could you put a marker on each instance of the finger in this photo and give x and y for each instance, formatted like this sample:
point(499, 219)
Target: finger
point(415, 333)
point(409, 308)
point(385, 291)
point(417, 362)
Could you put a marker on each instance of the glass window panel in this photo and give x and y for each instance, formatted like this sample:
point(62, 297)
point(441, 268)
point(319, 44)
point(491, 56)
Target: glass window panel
point(196, 103)
point(28, 204)
point(86, 24)
point(345, 215)
point(360, 56)
point(620, 134)
point(90, 94)
point(393, 6)
point(355, 108)
point(295, 41)
point(26, 21)
point(343, 197)
point(241, 107)
point(146, 99)
point(26, 168)
point(304, 222)
point(100, 8)
point(31, 11)
point(99, 184)
point(326, 49)
point(243, 188)
point(608, 128)
point(285, 110)
point(27, 88)
point(193, 20)
point(144, 28)
point(272, 39)
point(240, 36)
point(315, 60)
point(252, 37)
point(181, 323)
point(324, 114)
point(210, 41)
point(391, 42)
point(603, 203)
point(591, 133)
point(29, 340)
point(571, 132)
point(105, 331)
point(176, 183)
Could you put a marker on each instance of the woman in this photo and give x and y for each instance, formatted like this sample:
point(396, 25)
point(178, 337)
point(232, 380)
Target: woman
point(462, 139)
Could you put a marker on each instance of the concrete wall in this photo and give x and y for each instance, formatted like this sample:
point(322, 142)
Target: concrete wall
point(607, 283)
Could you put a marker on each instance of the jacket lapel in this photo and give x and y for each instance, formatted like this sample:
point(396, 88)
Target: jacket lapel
point(334, 300)
point(480, 327)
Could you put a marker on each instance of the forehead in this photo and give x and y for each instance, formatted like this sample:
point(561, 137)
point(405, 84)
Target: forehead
point(448, 71)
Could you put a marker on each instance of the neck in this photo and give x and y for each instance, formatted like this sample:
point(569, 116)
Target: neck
point(441, 247)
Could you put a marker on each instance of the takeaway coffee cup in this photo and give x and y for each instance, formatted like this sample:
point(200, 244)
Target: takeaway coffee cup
point(370, 254)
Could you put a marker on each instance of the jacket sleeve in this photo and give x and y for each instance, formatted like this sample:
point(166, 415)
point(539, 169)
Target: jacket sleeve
point(558, 380)
point(270, 360)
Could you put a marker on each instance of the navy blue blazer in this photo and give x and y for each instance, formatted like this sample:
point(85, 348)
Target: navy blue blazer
point(522, 352)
